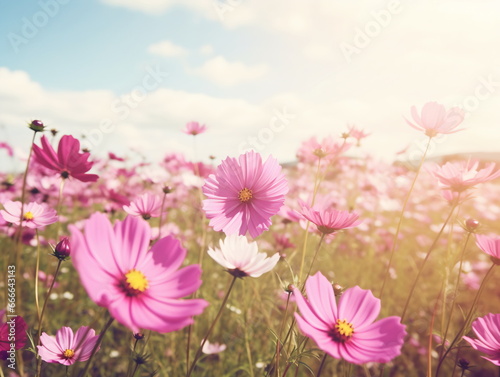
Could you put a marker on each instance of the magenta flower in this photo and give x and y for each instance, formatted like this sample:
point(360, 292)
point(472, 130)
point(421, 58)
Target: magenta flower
point(347, 331)
point(140, 288)
point(460, 176)
point(20, 338)
point(242, 258)
point(489, 245)
point(487, 330)
point(68, 161)
point(7, 147)
point(330, 220)
point(35, 215)
point(145, 206)
point(243, 194)
point(435, 119)
point(194, 128)
point(66, 348)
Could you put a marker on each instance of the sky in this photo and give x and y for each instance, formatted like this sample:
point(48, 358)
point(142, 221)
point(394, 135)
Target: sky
point(125, 76)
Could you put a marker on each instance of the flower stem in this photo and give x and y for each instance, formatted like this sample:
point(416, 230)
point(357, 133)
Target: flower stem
point(467, 319)
point(431, 330)
point(314, 259)
point(434, 243)
point(59, 205)
point(320, 369)
point(223, 305)
point(400, 221)
point(450, 315)
point(39, 331)
point(98, 343)
point(37, 269)
point(306, 233)
point(161, 215)
point(18, 237)
point(278, 341)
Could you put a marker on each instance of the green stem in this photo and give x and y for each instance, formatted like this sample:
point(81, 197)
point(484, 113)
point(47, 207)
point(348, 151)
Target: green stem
point(39, 331)
point(306, 232)
point(320, 369)
point(278, 342)
point(467, 319)
point(414, 285)
point(59, 205)
point(400, 221)
point(161, 215)
point(314, 259)
point(17, 256)
point(249, 352)
point(223, 305)
point(98, 343)
point(431, 330)
point(462, 255)
point(37, 269)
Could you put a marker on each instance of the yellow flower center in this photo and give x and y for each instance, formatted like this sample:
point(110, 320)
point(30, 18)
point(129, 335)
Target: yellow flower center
point(28, 216)
point(135, 282)
point(342, 331)
point(245, 195)
point(68, 354)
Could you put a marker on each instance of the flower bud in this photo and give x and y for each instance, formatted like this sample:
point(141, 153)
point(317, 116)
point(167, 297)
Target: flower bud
point(63, 249)
point(471, 225)
point(463, 363)
point(167, 189)
point(139, 336)
point(54, 132)
point(337, 289)
point(36, 125)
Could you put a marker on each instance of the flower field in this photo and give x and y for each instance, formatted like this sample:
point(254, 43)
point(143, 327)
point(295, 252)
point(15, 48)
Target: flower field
point(329, 265)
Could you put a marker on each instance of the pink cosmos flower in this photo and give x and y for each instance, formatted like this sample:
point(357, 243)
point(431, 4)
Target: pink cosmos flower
point(35, 215)
point(489, 245)
point(243, 194)
point(145, 206)
point(357, 133)
point(330, 220)
point(67, 348)
point(242, 258)
point(460, 176)
point(347, 331)
point(68, 161)
point(327, 149)
point(434, 119)
point(20, 337)
point(213, 348)
point(140, 288)
point(487, 330)
point(194, 128)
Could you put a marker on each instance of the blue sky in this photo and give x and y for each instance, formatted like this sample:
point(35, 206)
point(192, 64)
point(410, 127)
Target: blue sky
point(326, 63)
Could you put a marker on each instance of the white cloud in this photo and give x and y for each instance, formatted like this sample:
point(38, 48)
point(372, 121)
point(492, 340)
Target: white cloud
point(160, 6)
point(207, 50)
point(225, 73)
point(146, 6)
point(167, 49)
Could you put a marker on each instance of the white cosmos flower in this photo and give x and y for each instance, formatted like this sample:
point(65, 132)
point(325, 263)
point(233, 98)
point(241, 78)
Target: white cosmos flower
point(242, 258)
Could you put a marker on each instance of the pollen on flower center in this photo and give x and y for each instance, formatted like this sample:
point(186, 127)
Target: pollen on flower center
point(28, 216)
point(68, 354)
point(135, 283)
point(342, 331)
point(245, 195)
